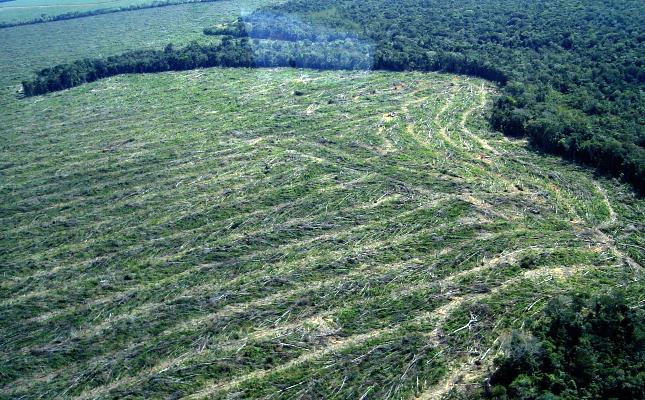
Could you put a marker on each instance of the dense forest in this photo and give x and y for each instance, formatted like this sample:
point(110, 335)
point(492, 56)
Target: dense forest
point(81, 14)
point(279, 26)
point(575, 69)
point(571, 72)
point(347, 54)
point(581, 349)
point(286, 27)
point(339, 54)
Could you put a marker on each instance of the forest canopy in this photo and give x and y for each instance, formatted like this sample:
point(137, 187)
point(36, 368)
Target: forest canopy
point(575, 68)
point(99, 11)
point(230, 52)
point(580, 349)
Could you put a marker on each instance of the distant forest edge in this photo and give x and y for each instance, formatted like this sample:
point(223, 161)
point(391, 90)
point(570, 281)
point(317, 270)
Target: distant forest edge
point(571, 73)
point(99, 11)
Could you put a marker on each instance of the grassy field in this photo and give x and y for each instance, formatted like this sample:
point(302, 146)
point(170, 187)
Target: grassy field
point(27, 10)
point(244, 233)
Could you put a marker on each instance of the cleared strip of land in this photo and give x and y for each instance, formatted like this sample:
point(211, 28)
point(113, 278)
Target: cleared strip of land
point(23, 13)
point(281, 233)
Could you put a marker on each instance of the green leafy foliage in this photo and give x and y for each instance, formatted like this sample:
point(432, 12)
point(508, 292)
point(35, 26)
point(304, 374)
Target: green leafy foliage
point(340, 54)
point(193, 56)
point(99, 11)
point(572, 72)
point(581, 349)
point(575, 70)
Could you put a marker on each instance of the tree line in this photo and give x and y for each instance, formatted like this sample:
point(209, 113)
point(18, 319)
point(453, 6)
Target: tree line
point(573, 72)
point(100, 11)
point(228, 53)
point(582, 348)
point(345, 54)
point(279, 26)
point(283, 27)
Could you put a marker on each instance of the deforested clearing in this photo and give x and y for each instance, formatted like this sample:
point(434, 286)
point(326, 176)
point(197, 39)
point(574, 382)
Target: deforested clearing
point(252, 233)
